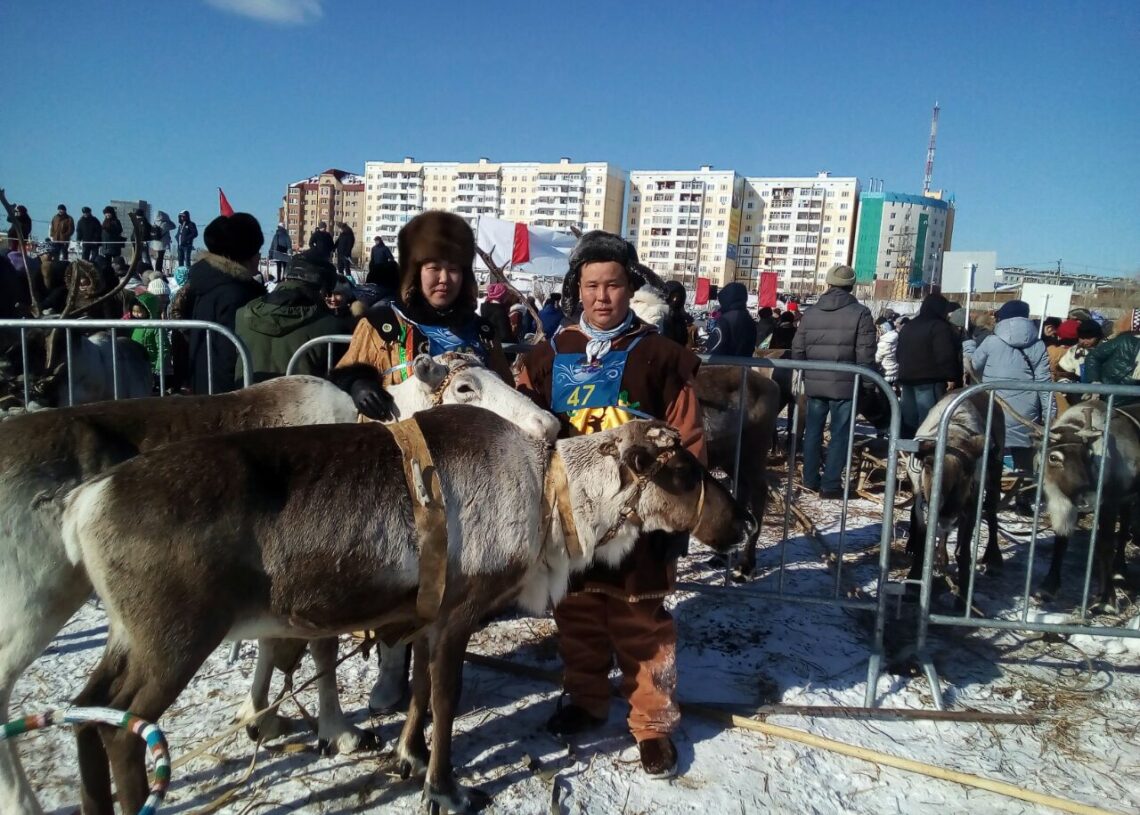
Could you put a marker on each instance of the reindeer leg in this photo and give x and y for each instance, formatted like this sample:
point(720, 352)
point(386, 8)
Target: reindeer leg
point(441, 789)
point(916, 542)
point(1052, 582)
point(94, 770)
point(411, 749)
point(992, 558)
point(334, 733)
point(1102, 558)
point(391, 689)
point(269, 725)
point(965, 554)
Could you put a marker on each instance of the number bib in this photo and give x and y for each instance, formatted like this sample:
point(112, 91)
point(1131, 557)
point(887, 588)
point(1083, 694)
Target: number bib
point(442, 339)
point(577, 386)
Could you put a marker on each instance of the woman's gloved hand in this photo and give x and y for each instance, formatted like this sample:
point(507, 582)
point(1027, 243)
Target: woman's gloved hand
point(373, 401)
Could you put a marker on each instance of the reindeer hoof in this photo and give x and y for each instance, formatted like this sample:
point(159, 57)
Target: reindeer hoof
point(351, 740)
point(741, 575)
point(268, 727)
point(454, 799)
point(410, 764)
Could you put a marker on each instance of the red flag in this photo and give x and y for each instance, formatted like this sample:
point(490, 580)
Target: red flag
point(521, 253)
point(767, 294)
point(223, 204)
point(702, 296)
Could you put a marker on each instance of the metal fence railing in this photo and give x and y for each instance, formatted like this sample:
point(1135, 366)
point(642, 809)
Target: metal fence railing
point(329, 340)
point(1020, 621)
point(120, 385)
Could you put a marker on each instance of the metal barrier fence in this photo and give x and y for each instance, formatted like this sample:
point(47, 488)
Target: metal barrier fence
point(875, 603)
point(124, 328)
point(967, 618)
point(328, 340)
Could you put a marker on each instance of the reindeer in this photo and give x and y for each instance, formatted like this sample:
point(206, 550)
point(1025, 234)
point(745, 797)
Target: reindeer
point(248, 536)
point(44, 454)
point(962, 478)
point(1074, 457)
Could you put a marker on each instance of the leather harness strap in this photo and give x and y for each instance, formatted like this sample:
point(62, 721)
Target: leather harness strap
point(556, 498)
point(430, 516)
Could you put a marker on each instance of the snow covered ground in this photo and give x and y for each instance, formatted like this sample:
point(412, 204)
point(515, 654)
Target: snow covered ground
point(736, 654)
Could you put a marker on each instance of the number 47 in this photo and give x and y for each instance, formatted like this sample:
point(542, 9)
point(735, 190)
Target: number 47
point(577, 397)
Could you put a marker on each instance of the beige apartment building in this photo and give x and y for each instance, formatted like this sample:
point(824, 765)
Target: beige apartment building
point(334, 196)
point(798, 228)
point(588, 195)
point(686, 223)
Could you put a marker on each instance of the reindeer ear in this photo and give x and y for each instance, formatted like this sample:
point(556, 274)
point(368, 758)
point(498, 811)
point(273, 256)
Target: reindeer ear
point(639, 459)
point(428, 371)
point(663, 437)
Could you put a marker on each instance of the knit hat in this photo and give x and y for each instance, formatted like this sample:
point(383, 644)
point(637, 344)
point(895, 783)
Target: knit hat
point(158, 287)
point(841, 275)
point(439, 236)
point(1067, 330)
point(496, 292)
point(957, 318)
point(1080, 314)
point(597, 246)
point(1014, 308)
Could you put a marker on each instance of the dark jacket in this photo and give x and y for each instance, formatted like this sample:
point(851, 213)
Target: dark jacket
point(345, 242)
point(280, 246)
point(215, 289)
point(1114, 362)
point(765, 327)
point(836, 329)
point(735, 332)
point(276, 325)
point(88, 229)
point(551, 317)
point(929, 348)
point(186, 233)
point(25, 222)
point(783, 335)
point(112, 237)
point(380, 253)
point(496, 314)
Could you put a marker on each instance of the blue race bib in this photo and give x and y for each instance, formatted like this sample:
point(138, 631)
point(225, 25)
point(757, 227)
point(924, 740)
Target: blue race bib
point(577, 384)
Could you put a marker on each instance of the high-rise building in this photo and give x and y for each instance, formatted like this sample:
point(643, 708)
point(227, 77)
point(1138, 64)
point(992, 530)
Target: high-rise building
point(798, 228)
point(560, 195)
point(685, 223)
point(334, 196)
point(901, 239)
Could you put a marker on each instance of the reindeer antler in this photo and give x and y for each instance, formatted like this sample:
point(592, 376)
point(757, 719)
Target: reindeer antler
point(498, 273)
point(35, 301)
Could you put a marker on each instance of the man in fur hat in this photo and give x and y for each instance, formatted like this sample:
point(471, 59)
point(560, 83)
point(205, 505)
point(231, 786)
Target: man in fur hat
point(604, 371)
point(434, 313)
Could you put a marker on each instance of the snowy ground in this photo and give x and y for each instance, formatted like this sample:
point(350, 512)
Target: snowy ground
point(734, 653)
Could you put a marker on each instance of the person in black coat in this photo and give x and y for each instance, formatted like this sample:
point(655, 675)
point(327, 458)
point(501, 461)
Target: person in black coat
point(677, 321)
point(112, 234)
point(217, 286)
point(765, 325)
point(929, 356)
point(784, 331)
point(345, 243)
point(88, 232)
point(735, 332)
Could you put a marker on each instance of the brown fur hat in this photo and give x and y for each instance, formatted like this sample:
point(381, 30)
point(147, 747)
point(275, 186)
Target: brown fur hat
point(436, 235)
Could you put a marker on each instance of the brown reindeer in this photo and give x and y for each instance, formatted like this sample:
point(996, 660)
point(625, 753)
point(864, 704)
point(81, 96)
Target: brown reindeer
point(248, 535)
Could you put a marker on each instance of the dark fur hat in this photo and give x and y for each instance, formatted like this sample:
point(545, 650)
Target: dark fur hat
point(442, 236)
point(599, 247)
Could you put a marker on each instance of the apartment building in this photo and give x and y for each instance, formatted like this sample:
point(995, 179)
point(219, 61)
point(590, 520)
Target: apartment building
point(333, 196)
point(901, 238)
point(559, 195)
point(798, 227)
point(686, 224)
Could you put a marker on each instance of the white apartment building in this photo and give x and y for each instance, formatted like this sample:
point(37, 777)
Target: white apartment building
point(560, 195)
point(900, 241)
point(685, 223)
point(798, 227)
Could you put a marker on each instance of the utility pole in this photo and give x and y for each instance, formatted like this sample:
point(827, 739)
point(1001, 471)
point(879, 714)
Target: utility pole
point(928, 176)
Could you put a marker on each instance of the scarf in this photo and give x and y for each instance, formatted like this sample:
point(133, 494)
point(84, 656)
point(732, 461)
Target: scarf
point(600, 341)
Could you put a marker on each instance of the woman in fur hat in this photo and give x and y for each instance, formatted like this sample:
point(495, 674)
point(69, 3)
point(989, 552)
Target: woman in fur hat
point(434, 313)
point(606, 369)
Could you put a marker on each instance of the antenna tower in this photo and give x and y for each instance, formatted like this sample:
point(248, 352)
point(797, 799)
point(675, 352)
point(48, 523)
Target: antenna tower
point(928, 177)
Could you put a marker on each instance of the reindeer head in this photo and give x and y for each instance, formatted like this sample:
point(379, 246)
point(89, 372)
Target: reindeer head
point(662, 487)
point(961, 473)
point(454, 378)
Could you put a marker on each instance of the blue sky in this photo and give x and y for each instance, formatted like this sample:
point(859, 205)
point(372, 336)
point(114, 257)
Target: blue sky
point(1038, 139)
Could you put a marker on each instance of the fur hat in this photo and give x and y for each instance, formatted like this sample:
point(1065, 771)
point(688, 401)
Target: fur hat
point(237, 237)
point(597, 246)
point(841, 275)
point(441, 236)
